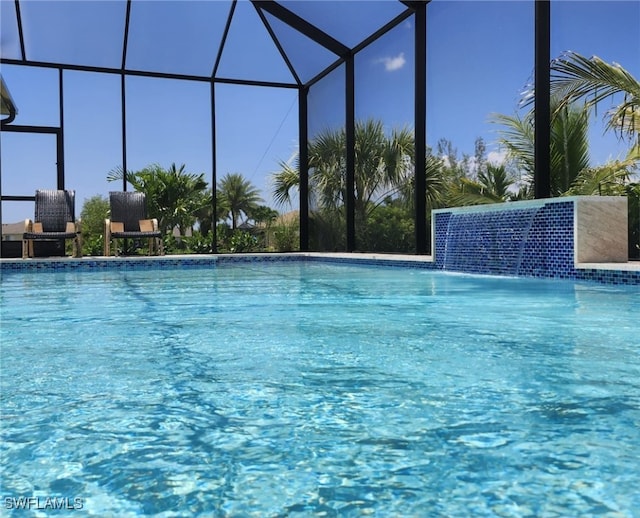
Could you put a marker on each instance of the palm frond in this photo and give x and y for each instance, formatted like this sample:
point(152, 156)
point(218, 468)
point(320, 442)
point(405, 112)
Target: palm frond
point(569, 147)
point(609, 179)
point(284, 181)
point(469, 192)
point(575, 77)
point(517, 138)
point(118, 173)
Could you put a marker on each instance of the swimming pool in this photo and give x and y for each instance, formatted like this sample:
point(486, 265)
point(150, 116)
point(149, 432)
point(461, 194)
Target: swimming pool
point(309, 389)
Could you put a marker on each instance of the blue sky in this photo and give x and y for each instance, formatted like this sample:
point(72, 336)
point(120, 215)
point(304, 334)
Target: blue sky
point(480, 57)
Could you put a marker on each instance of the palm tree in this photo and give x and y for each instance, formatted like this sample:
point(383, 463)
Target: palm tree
point(286, 180)
point(383, 167)
point(569, 143)
point(238, 195)
point(575, 77)
point(437, 184)
point(492, 186)
point(384, 177)
point(263, 214)
point(610, 179)
point(174, 196)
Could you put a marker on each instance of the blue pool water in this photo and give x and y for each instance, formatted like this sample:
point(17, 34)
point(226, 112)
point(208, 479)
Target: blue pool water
point(308, 389)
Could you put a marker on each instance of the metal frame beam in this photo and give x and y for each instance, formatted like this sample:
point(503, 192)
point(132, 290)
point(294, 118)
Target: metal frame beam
point(39, 130)
point(223, 41)
point(144, 73)
point(542, 101)
point(123, 96)
point(303, 159)
point(301, 25)
point(415, 4)
point(362, 45)
point(60, 138)
point(350, 131)
point(125, 37)
point(276, 42)
point(23, 51)
point(214, 173)
point(420, 131)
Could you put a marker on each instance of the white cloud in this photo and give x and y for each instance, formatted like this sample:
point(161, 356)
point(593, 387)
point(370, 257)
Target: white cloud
point(393, 63)
point(497, 157)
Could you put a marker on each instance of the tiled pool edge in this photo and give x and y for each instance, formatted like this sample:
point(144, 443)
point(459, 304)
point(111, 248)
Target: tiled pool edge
point(129, 263)
point(625, 274)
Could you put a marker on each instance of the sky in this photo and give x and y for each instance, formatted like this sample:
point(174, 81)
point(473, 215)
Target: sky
point(480, 58)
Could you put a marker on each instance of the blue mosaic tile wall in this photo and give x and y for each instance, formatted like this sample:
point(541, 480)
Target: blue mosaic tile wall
point(549, 248)
point(609, 276)
point(532, 241)
point(440, 232)
point(489, 243)
point(527, 241)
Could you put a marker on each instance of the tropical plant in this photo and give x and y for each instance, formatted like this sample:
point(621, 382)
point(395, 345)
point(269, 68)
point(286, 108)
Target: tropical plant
point(197, 243)
point(453, 167)
point(438, 183)
point(286, 180)
point(204, 215)
point(390, 227)
point(569, 144)
point(263, 214)
point(238, 196)
point(242, 241)
point(384, 172)
point(592, 80)
point(286, 236)
point(174, 196)
point(383, 167)
point(493, 185)
point(575, 77)
point(610, 179)
point(223, 234)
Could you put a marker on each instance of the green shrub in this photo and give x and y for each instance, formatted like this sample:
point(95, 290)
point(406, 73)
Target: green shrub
point(242, 241)
point(92, 244)
point(286, 238)
point(198, 243)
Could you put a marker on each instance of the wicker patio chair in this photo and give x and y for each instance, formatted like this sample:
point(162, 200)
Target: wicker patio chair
point(54, 220)
point(129, 221)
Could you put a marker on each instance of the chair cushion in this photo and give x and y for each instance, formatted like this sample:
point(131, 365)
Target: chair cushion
point(134, 235)
point(48, 235)
point(146, 225)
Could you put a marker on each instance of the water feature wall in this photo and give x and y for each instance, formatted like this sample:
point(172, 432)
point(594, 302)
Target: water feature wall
point(539, 238)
